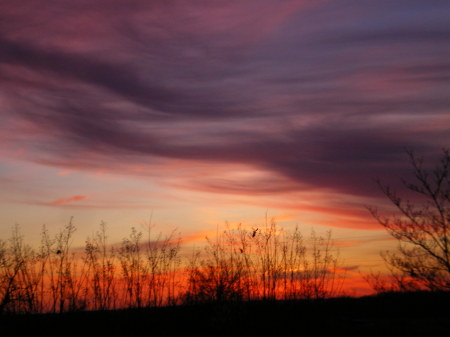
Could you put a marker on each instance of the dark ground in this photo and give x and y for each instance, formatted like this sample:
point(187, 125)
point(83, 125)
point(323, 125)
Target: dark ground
point(395, 314)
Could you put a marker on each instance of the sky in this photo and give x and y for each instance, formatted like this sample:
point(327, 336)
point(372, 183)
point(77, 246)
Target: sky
point(187, 114)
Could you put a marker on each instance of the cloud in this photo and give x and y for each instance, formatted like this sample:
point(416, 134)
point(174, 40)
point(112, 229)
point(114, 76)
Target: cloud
point(114, 77)
point(360, 241)
point(316, 95)
point(63, 201)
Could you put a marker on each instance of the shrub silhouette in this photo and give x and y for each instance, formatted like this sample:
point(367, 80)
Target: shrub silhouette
point(238, 265)
point(264, 264)
point(220, 274)
point(101, 270)
point(19, 279)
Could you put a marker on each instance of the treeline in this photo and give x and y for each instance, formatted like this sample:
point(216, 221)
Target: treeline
point(147, 270)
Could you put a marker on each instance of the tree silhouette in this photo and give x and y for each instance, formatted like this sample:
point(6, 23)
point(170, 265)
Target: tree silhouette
point(421, 226)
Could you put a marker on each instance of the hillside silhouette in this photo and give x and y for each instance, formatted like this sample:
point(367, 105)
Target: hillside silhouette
point(402, 314)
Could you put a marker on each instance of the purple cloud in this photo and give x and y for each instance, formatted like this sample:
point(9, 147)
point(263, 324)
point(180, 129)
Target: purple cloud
point(322, 94)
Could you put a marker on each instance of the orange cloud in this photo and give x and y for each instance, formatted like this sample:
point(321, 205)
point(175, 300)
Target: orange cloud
point(359, 242)
point(64, 172)
point(198, 237)
point(63, 201)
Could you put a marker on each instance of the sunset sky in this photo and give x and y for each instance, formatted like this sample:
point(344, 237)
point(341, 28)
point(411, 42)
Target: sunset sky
point(193, 113)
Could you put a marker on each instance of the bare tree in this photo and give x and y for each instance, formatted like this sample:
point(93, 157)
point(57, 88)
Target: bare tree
point(421, 226)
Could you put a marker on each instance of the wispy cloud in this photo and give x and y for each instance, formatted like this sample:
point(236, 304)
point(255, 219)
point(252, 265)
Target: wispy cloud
point(63, 201)
point(317, 95)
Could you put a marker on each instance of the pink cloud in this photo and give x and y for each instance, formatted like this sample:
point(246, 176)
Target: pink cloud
point(246, 99)
point(63, 201)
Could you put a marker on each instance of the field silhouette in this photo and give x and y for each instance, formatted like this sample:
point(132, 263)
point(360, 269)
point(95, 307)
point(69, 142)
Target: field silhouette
point(403, 314)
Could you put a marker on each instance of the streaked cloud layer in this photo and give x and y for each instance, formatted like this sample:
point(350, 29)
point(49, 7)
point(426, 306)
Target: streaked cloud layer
point(253, 99)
